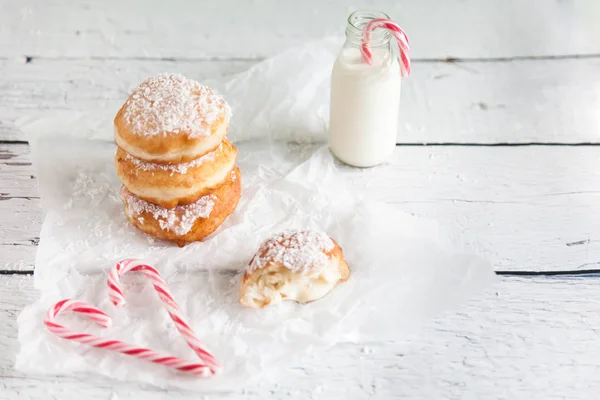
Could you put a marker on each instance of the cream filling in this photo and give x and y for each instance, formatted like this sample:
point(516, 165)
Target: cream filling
point(174, 193)
point(189, 151)
point(273, 286)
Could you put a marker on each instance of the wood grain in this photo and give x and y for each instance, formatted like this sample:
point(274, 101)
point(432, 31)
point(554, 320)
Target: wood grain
point(524, 208)
point(17, 179)
point(19, 208)
point(547, 101)
point(228, 28)
point(523, 338)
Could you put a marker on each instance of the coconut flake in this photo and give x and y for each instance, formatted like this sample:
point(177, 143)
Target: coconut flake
point(178, 220)
point(172, 103)
point(298, 251)
point(181, 168)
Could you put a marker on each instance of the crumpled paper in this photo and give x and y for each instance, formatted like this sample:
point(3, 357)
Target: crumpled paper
point(404, 269)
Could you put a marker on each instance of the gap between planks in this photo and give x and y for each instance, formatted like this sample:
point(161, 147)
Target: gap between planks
point(32, 58)
point(584, 273)
point(433, 144)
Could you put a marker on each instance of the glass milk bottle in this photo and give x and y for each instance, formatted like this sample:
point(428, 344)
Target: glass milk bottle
point(365, 99)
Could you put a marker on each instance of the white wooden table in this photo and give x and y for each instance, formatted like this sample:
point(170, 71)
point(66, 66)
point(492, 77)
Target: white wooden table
point(501, 139)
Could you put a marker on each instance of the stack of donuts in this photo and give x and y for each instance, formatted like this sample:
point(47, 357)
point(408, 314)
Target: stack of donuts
point(177, 167)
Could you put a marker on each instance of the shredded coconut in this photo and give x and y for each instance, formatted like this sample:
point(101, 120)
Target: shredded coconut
point(178, 220)
point(91, 189)
point(181, 168)
point(298, 251)
point(172, 103)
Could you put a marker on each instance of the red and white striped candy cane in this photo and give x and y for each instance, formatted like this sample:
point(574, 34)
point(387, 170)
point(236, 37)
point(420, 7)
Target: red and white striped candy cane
point(399, 35)
point(117, 298)
point(104, 320)
point(80, 307)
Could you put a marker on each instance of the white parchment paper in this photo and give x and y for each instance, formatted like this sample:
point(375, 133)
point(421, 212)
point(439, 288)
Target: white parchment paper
point(404, 269)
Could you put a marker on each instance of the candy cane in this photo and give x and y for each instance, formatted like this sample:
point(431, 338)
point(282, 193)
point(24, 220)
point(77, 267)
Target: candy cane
point(117, 298)
point(399, 35)
point(104, 320)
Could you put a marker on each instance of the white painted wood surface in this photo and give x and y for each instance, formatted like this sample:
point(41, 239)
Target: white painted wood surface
point(548, 101)
point(526, 72)
point(258, 28)
point(523, 338)
point(509, 202)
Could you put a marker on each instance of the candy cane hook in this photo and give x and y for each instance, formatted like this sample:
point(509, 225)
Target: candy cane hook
point(117, 298)
point(399, 35)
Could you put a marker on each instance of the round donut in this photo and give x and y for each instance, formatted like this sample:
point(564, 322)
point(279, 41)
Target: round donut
point(302, 266)
point(171, 119)
point(169, 185)
point(188, 223)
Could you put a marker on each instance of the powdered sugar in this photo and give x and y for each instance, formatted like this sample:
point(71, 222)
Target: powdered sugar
point(172, 103)
point(298, 251)
point(178, 220)
point(181, 168)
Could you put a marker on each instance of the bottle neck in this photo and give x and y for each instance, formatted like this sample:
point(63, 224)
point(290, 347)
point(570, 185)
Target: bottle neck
point(357, 21)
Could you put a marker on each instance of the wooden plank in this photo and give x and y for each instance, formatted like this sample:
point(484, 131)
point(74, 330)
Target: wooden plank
point(20, 212)
point(476, 102)
point(21, 220)
point(521, 207)
point(524, 338)
point(16, 173)
point(524, 208)
point(46, 87)
point(229, 28)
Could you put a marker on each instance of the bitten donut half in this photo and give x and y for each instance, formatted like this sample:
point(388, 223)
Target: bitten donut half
point(171, 119)
point(187, 223)
point(301, 266)
point(170, 185)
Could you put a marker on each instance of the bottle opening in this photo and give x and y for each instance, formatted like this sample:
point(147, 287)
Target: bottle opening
point(357, 22)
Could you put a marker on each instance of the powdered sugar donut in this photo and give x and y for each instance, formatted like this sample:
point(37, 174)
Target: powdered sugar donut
point(302, 266)
point(186, 223)
point(169, 118)
point(169, 185)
